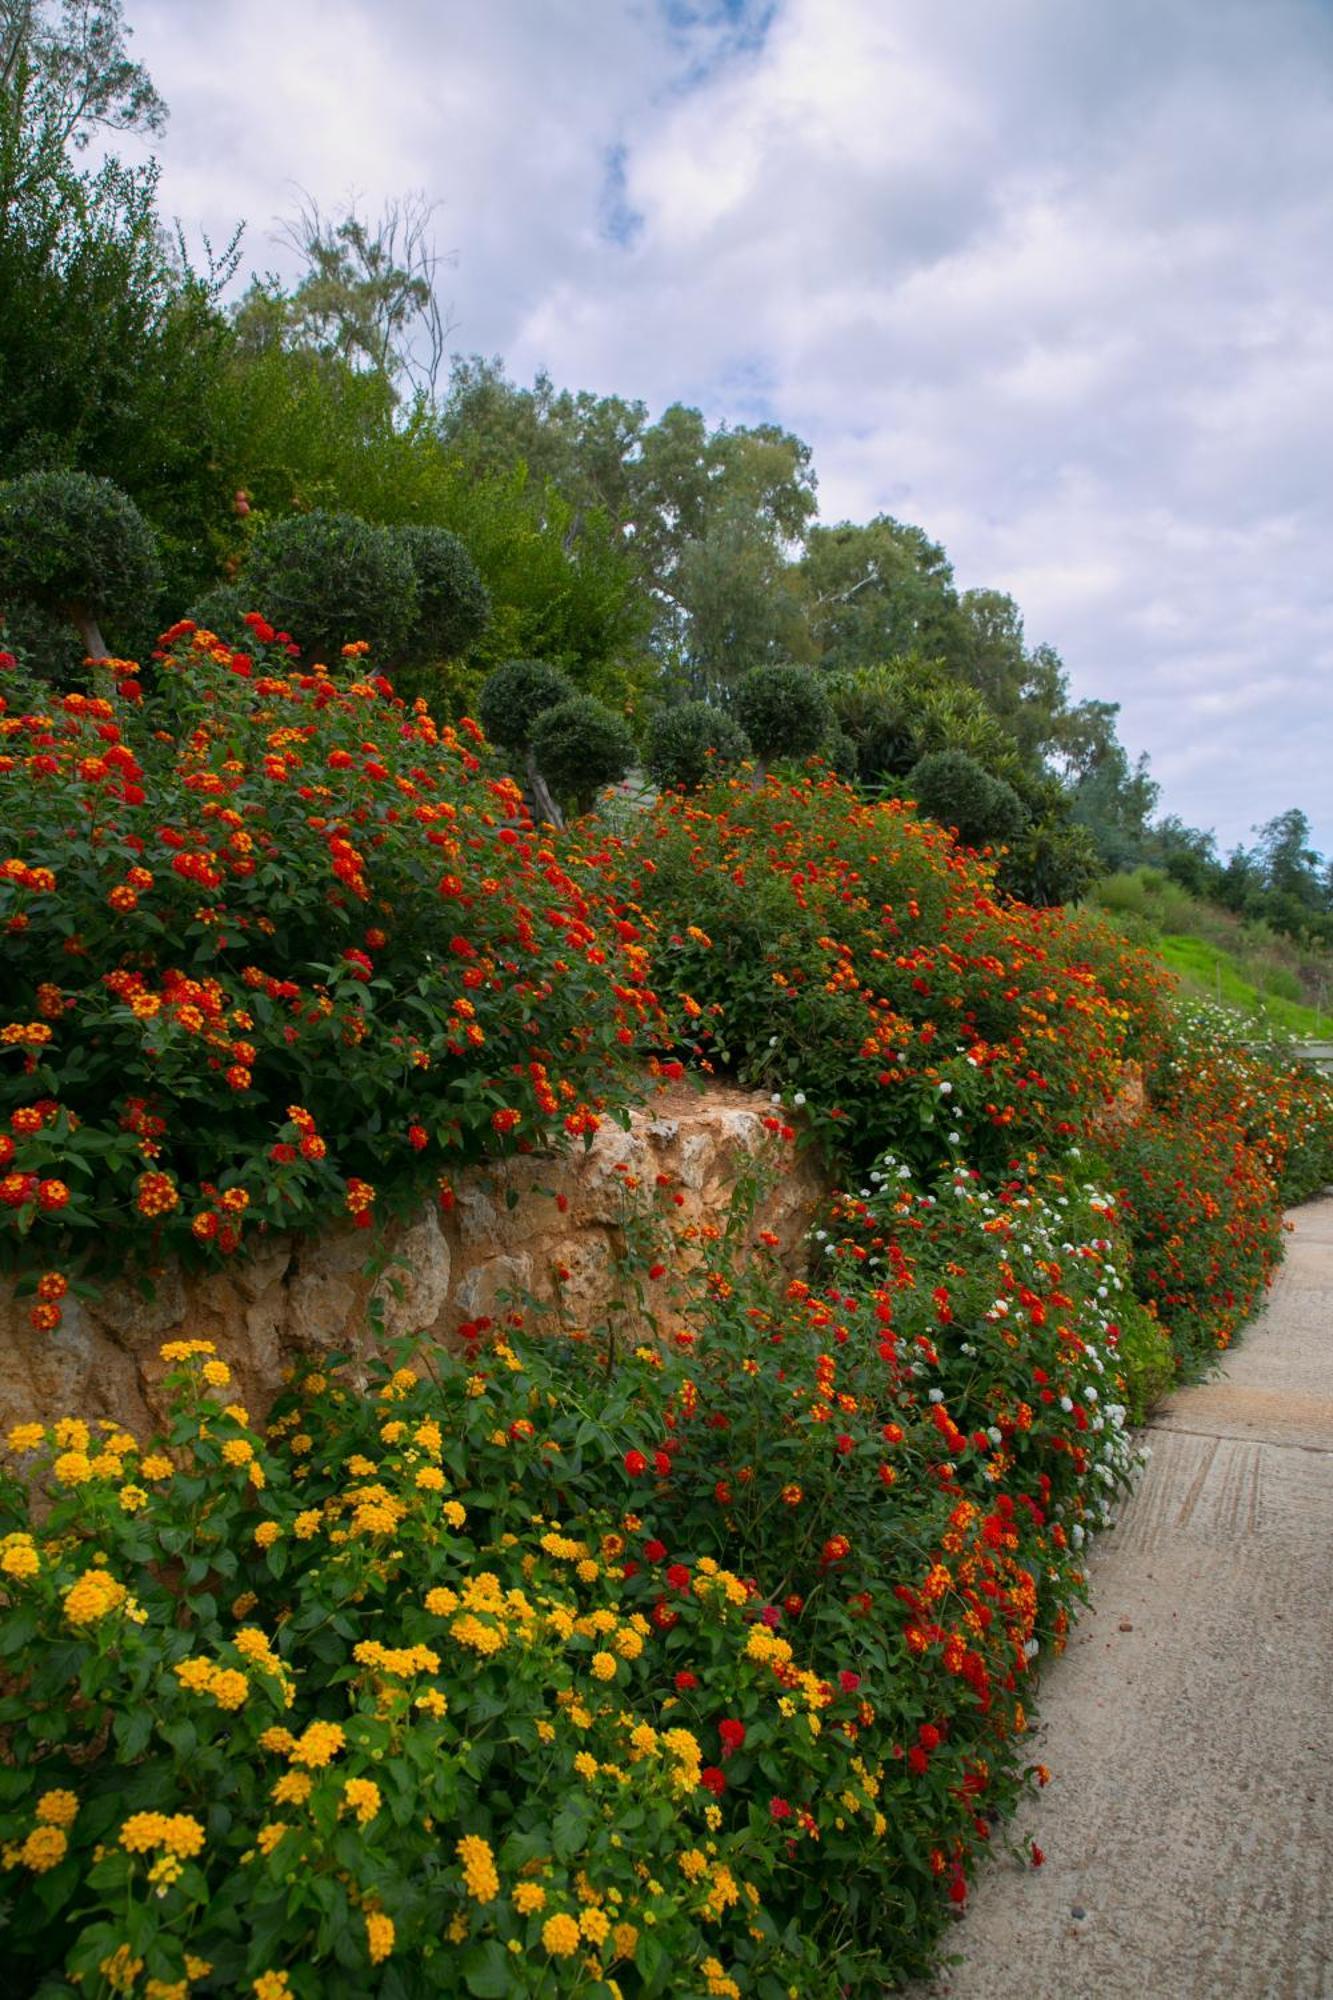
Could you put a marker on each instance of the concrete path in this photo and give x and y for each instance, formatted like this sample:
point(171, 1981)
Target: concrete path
point(1188, 1827)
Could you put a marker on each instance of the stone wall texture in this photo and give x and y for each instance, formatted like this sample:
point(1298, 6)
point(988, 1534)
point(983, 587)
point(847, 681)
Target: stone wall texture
point(545, 1227)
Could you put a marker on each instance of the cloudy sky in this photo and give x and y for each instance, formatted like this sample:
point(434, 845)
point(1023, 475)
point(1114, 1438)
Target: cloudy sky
point(1051, 278)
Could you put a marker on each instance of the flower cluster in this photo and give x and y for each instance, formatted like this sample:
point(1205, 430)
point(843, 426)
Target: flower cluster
point(278, 948)
point(719, 1657)
point(870, 962)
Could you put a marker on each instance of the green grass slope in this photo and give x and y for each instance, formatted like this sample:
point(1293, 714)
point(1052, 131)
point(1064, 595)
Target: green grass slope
point(1206, 969)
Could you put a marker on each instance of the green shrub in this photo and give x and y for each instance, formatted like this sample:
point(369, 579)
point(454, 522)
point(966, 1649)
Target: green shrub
point(77, 547)
point(382, 972)
point(333, 580)
point(51, 648)
point(954, 790)
point(1050, 863)
point(580, 746)
point(515, 695)
point(222, 610)
point(840, 754)
point(783, 710)
point(452, 604)
point(1124, 894)
point(1145, 1357)
point(691, 742)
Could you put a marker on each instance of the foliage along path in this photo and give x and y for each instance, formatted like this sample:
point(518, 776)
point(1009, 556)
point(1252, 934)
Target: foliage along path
point(1188, 1825)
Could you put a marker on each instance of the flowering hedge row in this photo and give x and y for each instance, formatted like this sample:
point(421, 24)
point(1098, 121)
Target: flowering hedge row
point(704, 1674)
point(277, 949)
point(855, 954)
point(863, 963)
point(546, 1668)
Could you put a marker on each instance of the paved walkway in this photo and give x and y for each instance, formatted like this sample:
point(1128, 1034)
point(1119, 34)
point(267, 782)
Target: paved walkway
point(1188, 1827)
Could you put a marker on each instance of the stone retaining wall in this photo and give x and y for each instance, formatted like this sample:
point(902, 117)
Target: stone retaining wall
point(533, 1226)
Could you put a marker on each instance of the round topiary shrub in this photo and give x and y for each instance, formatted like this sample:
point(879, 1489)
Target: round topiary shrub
point(580, 746)
point(783, 710)
point(839, 753)
point(515, 695)
point(453, 604)
point(331, 579)
point(951, 787)
point(222, 610)
point(77, 547)
point(689, 743)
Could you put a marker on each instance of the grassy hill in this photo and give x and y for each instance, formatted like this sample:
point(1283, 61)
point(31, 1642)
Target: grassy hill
point(1204, 968)
point(1245, 966)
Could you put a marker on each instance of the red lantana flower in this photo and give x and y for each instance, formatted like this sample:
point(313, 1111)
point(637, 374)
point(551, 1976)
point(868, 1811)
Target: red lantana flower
point(733, 1736)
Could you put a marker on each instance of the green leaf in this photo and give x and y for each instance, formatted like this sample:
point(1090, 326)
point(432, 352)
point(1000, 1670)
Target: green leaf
point(17, 1628)
point(488, 1972)
point(569, 1828)
point(133, 1732)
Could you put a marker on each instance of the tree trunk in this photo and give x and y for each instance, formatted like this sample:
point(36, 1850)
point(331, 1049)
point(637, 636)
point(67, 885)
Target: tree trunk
point(94, 646)
point(541, 794)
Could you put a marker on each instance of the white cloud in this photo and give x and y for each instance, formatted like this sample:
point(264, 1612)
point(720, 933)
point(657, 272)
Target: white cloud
point(1052, 281)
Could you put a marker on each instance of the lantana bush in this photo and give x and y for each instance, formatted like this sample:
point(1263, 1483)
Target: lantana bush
point(688, 1654)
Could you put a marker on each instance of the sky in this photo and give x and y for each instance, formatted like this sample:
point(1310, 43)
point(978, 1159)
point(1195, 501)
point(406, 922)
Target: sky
point(1052, 279)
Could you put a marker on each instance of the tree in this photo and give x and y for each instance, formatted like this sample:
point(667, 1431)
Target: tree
point(579, 747)
point(784, 711)
point(691, 742)
point(706, 517)
point(1286, 860)
point(330, 579)
point(367, 297)
point(1188, 856)
point(580, 444)
point(513, 700)
point(735, 608)
point(1108, 795)
point(75, 547)
point(111, 345)
point(65, 75)
point(875, 593)
point(1026, 690)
